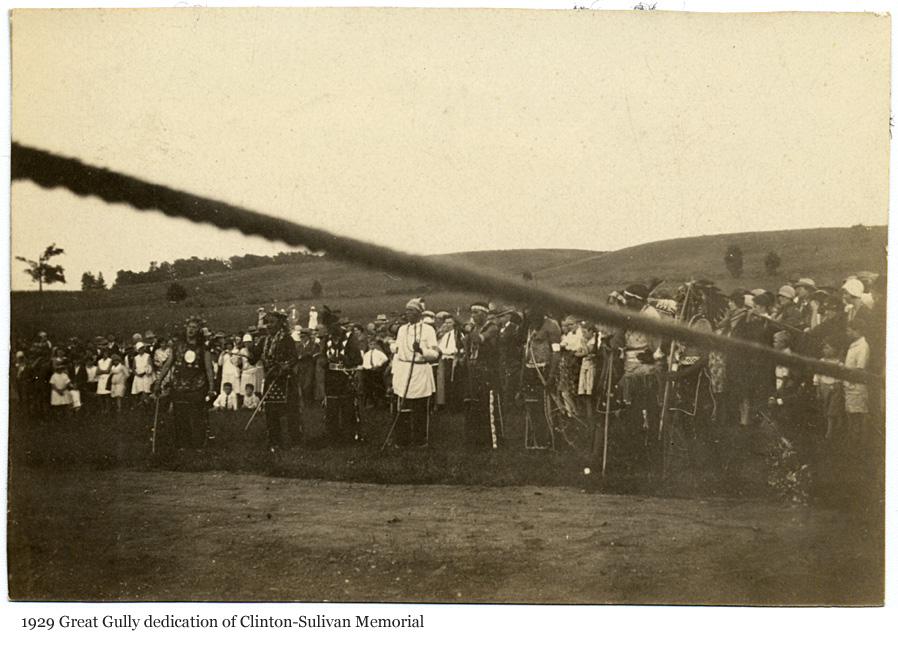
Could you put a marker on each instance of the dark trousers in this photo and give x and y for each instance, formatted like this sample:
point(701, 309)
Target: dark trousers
point(411, 427)
point(189, 422)
point(534, 394)
point(275, 414)
point(483, 418)
point(307, 381)
point(340, 422)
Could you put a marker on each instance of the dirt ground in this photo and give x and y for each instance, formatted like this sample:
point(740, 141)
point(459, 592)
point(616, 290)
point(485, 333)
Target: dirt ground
point(138, 535)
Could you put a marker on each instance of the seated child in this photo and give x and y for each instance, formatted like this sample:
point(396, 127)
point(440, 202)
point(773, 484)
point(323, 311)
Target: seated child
point(251, 399)
point(227, 399)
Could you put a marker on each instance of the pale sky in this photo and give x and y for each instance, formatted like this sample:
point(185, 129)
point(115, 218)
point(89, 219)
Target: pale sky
point(377, 138)
point(450, 131)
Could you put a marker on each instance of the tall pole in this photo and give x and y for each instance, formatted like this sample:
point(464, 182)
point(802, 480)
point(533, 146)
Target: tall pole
point(609, 369)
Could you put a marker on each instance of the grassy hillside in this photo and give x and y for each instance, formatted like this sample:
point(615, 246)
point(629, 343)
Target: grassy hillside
point(826, 255)
point(229, 300)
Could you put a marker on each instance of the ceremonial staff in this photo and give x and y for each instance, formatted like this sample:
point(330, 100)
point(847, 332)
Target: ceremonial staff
point(262, 401)
point(404, 394)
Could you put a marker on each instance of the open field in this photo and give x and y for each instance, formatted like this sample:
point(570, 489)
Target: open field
point(140, 536)
point(229, 300)
point(93, 516)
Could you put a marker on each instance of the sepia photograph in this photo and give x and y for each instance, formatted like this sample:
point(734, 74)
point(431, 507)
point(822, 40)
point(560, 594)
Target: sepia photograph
point(407, 309)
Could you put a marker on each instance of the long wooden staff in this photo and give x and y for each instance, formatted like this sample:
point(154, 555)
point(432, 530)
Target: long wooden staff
point(155, 424)
point(610, 370)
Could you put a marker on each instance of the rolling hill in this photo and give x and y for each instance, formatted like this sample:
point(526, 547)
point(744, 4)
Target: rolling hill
point(229, 300)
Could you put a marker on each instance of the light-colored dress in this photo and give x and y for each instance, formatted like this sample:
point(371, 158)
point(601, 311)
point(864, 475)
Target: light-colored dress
point(117, 379)
point(103, 379)
point(231, 366)
point(856, 395)
point(252, 373)
point(60, 381)
point(143, 374)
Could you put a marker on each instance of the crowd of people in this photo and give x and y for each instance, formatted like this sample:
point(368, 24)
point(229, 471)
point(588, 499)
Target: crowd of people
point(486, 364)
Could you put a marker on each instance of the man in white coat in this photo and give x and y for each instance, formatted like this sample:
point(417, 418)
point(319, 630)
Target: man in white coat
point(413, 383)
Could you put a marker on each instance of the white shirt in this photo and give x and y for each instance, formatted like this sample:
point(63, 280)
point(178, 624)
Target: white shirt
point(373, 359)
point(226, 402)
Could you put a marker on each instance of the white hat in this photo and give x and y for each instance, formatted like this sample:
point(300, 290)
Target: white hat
point(247, 337)
point(854, 287)
point(806, 282)
point(787, 290)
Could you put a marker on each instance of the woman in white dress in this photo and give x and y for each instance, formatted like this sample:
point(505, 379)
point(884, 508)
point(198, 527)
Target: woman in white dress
point(104, 368)
point(143, 373)
point(231, 364)
point(252, 368)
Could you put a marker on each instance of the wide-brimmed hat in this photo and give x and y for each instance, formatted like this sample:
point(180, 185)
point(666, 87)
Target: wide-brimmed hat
point(381, 318)
point(854, 287)
point(788, 291)
point(806, 282)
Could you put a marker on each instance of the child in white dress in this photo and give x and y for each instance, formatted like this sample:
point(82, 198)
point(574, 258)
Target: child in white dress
point(118, 375)
point(59, 388)
point(143, 373)
point(104, 365)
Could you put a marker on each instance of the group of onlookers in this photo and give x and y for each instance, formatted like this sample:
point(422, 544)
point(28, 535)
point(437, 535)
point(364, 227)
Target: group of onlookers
point(482, 362)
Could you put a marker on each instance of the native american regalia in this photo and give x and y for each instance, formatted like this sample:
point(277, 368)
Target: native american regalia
point(343, 357)
point(189, 387)
point(511, 352)
point(447, 374)
point(281, 398)
point(639, 384)
point(540, 351)
point(483, 416)
point(692, 400)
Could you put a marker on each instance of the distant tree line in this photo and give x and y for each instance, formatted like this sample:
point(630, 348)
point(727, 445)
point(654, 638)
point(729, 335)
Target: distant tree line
point(89, 281)
point(191, 267)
